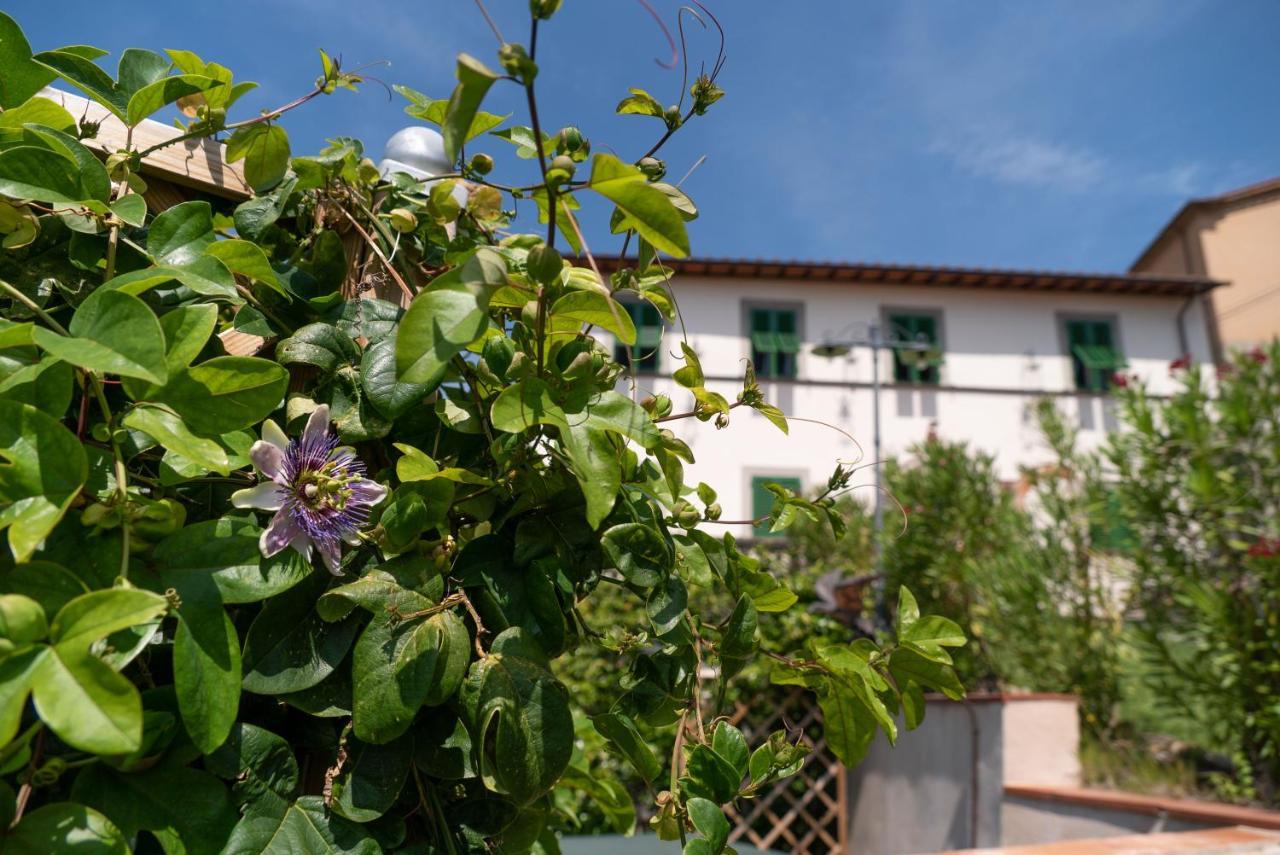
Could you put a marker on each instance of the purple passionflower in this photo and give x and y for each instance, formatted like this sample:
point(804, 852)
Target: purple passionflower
point(317, 489)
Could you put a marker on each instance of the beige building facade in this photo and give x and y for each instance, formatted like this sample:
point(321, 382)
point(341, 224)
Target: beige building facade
point(1234, 239)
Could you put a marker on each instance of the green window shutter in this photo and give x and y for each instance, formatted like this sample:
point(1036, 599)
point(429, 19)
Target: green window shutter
point(775, 342)
point(762, 501)
point(1110, 532)
point(911, 365)
point(1094, 357)
point(643, 356)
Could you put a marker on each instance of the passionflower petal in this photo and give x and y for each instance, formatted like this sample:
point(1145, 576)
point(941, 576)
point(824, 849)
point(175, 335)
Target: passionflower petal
point(318, 490)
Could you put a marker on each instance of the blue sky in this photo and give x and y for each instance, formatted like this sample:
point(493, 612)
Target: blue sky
point(1051, 134)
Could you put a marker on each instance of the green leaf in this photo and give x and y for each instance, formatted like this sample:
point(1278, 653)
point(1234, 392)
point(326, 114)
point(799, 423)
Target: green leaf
point(690, 376)
point(87, 704)
point(17, 671)
point(649, 211)
point(47, 386)
point(371, 778)
point(400, 666)
point(908, 610)
point(520, 718)
point(264, 148)
point(710, 821)
point(226, 393)
point(249, 260)
point(391, 397)
point(289, 647)
point(847, 724)
point(525, 404)
point(22, 622)
point(305, 826)
point(23, 78)
point(638, 552)
point(474, 80)
point(204, 275)
point(913, 665)
point(598, 309)
point(227, 551)
point(640, 103)
point(666, 605)
point(738, 643)
point(96, 615)
point(524, 140)
point(321, 345)
point(64, 827)
point(187, 809)
point(186, 330)
point(82, 73)
point(441, 322)
point(593, 460)
point(167, 428)
point(159, 93)
point(181, 234)
point(261, 765)
point(729, 743)
point(41, 175)
point(622, 734)
point(131, 208)
point(708, 775)
point(111, 332)
point(615, 412)
point(934, 630)
point(206, 670)
point(44, 469)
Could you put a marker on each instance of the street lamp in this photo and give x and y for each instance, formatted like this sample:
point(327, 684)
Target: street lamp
point(872, 335)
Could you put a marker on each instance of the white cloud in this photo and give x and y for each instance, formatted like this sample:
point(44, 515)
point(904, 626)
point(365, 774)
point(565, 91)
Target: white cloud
point(1027, 161)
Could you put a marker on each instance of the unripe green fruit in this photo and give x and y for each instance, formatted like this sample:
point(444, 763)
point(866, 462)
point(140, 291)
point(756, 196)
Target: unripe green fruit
point(561, 169)
point(544, 264)
point(403, 220)
point(100, 432)
point(482, 164)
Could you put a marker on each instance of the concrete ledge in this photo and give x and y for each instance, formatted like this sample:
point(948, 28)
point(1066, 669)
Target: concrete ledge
point(1207, 813)
point(1214, 841)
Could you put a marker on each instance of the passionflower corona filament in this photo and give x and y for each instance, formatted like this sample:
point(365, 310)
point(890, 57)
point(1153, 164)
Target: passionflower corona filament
point(317, 489)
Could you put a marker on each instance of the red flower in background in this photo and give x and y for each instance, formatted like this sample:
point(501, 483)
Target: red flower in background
point(1120, 380)
point(1181, 363)
point(1258, 355)
point(1265, 547)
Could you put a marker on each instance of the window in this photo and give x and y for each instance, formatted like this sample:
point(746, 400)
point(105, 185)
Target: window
point(774, 342)
point(1094, 356)
point(762, 500)
point(643, 356)
point(909, 364)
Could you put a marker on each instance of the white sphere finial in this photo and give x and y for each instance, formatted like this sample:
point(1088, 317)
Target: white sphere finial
point(417, 151)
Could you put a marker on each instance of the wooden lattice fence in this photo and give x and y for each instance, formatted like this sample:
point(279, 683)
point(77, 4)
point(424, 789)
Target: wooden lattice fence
point(805, 814)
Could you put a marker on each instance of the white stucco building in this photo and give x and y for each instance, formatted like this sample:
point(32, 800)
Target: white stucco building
point(1001, 340)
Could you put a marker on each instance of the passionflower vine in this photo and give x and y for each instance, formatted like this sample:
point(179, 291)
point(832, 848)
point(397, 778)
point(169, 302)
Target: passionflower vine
point(317, 489)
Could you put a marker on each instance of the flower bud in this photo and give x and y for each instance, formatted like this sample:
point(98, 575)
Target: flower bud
point(672, 116)
point(515, 60)
point(481, 164)
point(543, 9)
point(570, 141)
point(403, 220)
point(652, 168)
point(713, 511)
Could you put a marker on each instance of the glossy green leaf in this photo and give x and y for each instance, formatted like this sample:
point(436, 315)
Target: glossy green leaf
point(371, 778)
point(167, 428)
point(305, 826)
point(159, 93)
point(23, 77)
point(597, 309)
point(181, 234)
point(85, 75)
point(594, 462)
point(41, 175)
point(187, 809)
point(45, 466)
point(378, 378)
point(321, 345)
point(261, 766)
point(64, 827)
point(289, 647)
point(525, 404)
point(474, 80)
point(47, 386)
point(934, 630)
point(908, 610)
point(638, 552)
point(710, 822)
point(227, 551)
point(666, 605)
point(186, 330)
point(248, 260)
point(111, 332)
point(615, 412)
point(264, 148)
point(622, 734)
point(131, 208)
point(226, 393)
point(96, 615)
point(204, 274)
point(206, 670)
point(640, 103)
point(520, 718)
point(739, 639)
point(87, 704)
point(708, 775)
point(438, 326)
point(401, 665)
point(649, 211)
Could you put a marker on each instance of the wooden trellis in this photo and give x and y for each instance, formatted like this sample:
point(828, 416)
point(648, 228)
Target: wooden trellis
point(805, 814)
